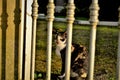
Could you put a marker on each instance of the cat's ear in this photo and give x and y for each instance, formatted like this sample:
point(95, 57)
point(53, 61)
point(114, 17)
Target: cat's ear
point(65, 33)
point(54, 31)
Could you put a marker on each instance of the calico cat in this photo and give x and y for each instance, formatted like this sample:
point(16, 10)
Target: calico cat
point(79, 57)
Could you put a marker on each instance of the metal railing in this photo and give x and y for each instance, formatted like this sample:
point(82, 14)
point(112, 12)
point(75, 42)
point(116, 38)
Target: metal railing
point(27, 59)
point(94, 8)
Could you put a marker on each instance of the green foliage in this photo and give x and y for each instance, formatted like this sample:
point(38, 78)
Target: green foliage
point(82, 8)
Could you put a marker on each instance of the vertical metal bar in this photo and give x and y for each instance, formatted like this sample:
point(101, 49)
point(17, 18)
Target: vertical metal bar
point(1, 41)
point(21, 41)
point(50, 18)
point(27, 40)
point(49, 50)
point(118, 55)
point(93, 21)
point(34, 22)
point(92, 52)
point(68, 52)
point(70, 20)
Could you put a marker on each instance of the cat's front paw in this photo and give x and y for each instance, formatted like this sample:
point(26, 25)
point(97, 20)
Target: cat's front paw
point(61, 77)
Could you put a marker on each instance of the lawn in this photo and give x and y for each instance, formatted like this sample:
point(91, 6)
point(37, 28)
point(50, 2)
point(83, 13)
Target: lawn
point(106, 50)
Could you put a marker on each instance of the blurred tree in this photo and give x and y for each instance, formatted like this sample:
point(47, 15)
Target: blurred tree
point(108, 9)
point(42, 6)
point(82, 8)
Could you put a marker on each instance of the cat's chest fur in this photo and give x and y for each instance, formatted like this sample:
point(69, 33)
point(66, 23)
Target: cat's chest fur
point(59, 47)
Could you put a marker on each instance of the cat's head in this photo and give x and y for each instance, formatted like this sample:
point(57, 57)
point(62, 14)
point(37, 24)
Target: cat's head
point(60, 37)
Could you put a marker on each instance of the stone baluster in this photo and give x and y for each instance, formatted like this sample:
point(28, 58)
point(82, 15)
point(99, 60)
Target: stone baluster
point(3, 27)
point(94, 8)
point(34, 22)
point(118, 56)
point(70, 19)
point(50, 18)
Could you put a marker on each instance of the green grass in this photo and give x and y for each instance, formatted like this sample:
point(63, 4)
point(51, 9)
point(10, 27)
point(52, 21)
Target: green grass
point(106, 49)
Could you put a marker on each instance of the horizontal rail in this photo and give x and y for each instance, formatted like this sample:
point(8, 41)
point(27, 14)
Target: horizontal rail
point(82, 22)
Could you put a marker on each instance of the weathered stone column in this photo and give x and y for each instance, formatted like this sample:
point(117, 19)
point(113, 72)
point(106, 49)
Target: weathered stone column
point(70, 19)
point(15, 39)
point(9, 39)
point(10, 42)
point(118, 54)
point(93, 21)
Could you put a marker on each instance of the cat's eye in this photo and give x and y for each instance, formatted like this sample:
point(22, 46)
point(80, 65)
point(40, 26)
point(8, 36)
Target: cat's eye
point(62, 39)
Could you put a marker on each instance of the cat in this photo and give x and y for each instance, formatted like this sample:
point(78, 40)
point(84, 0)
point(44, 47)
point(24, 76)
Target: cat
point(79, 57)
